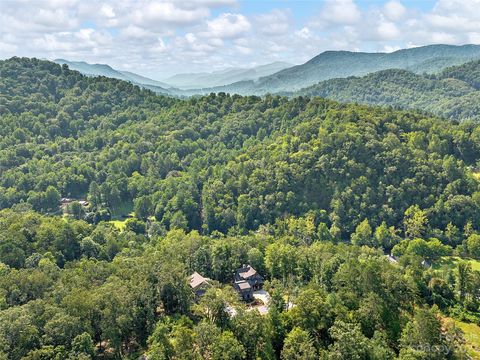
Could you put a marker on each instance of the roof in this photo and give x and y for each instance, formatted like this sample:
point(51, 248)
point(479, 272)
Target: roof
point(247, 272)
point(196, 280)
point(243, 285)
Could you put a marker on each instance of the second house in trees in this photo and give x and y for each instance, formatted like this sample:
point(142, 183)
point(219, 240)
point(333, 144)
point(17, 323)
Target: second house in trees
point(247, 280)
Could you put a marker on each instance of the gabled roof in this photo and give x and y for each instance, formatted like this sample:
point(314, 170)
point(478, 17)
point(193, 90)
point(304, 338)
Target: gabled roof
point(247, 272)
point(243, 285)
point(196, 280)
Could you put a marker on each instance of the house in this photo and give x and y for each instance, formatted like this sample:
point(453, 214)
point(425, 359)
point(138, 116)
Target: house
point(246, 281)
point(249, 274)
point(199, 284)
point(67, 201)
point(244, 289)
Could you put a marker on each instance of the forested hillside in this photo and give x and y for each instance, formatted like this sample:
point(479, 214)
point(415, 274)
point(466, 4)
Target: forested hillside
point(312, 193)
point(340, 64)
point(106, 70)
point(453, 93)
point(219, 162)
point(468, 72)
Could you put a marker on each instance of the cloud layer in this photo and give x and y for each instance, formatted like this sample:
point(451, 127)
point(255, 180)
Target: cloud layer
point(158, 38)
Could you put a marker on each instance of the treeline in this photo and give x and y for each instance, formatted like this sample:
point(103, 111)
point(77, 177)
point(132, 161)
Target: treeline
point(468, 72)
point(229, 163)
point(310, 192)
point(329, 301)
point(453, 93)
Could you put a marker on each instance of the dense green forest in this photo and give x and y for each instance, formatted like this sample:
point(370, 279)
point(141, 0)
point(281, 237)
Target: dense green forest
point(429, 59)
point(227, 162)
point(453, 93)
point(312, 193)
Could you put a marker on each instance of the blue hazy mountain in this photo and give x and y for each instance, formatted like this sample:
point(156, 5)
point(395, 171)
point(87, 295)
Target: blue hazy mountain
point(342, 64)
point(224, 77)
point(106, 70)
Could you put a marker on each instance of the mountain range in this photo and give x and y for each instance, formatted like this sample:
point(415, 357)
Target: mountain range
point(341, 64)
point(225, 76)
point(176, 83)
point(452, 93)
point(106, 70)
point(409, 78)
point(369, 214)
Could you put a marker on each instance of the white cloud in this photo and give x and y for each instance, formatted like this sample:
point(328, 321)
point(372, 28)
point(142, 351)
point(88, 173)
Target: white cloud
point(159, 47)
point(467, 8)
point(394, 10)
point(243, 50)
point(80, 42)
point(388, 30)
point(228, 26)
point(453, 22)
point(189, 4)
point(159, 13)
point(303, 33)
point(341, 12)
point(473, 38)
point(276, 22)
point(134, 32)
point(160, 36)
point(7, 48)
point(107, 11)
point(191, 38)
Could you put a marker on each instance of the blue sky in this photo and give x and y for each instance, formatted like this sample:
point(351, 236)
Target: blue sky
point(158, 38)
point(303, 9)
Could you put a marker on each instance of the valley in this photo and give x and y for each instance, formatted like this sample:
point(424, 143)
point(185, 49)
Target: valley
point(310, 193)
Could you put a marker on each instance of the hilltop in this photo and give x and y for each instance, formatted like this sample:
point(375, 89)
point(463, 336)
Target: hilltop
point(106, 70)
point(453, 93)
point(341, 64)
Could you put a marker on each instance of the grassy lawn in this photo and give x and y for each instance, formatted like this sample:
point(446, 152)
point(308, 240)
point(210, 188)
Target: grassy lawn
point(121, 214)
point(472, 337)
point(450, 262)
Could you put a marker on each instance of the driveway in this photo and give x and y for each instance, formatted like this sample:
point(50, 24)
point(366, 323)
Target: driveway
point(263, 296)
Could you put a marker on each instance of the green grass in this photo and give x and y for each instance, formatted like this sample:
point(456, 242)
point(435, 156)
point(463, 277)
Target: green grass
point(121, 213)
point(450, 262)
point(472, 337)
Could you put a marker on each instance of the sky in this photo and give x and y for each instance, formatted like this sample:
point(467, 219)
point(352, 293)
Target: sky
point(158, 38)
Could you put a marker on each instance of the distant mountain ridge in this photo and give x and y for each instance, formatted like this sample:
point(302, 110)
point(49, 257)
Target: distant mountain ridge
point(190, 81)
point(325, 66)
point(453, 93)
point(177, 84)
point(342, 64)
point(106, 70)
